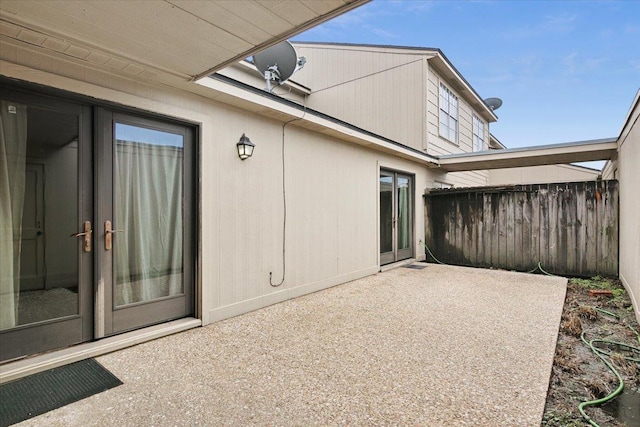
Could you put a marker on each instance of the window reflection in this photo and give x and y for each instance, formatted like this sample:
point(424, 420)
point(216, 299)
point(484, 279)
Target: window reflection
point(39, 181)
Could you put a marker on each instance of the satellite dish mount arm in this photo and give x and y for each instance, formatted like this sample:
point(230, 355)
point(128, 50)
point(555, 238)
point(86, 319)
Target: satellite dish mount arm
point(272, 74)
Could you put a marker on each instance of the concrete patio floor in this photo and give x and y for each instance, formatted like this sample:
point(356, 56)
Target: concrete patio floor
point(441, 346)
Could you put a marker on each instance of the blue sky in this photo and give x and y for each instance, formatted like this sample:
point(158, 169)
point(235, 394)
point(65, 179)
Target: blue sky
point(566, 70)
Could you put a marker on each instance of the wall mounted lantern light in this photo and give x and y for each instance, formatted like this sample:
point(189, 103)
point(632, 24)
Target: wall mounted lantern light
point(245, 147)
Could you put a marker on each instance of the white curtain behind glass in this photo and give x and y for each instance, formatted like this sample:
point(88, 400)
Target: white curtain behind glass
point(403, 216)
point(148, 208)
point(13, 148)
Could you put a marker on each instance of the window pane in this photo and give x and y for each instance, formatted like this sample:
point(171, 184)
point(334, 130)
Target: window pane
point(148, 210)
point(386, 213)
point(38, 259)
point(404, 206)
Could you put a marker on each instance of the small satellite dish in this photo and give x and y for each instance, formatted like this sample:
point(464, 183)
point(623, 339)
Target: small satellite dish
point(278, 63)
point(493, 103)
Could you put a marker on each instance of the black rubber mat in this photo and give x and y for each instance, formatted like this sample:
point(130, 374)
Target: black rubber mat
point(42, 392)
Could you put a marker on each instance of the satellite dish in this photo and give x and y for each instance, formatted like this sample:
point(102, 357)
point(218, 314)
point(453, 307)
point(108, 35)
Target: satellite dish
point(493, 103)
point(278, 63)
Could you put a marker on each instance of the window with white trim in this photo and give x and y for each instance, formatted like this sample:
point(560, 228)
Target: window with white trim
point(478, 134)
point(448, 114)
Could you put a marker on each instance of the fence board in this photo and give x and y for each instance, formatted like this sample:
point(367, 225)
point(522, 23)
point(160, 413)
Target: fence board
point(502, 230)
point(534, 253)
point(552, 201)
point(570, 228)
point(495, 236)
point(518, 230)
point(487, 221)
point(570, 210)
point(543, 207)
point(581, 229)
point(527, 210)
point(473, 232)
point(591, 226)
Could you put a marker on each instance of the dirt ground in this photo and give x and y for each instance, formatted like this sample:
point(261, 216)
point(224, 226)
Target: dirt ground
point(578, 374)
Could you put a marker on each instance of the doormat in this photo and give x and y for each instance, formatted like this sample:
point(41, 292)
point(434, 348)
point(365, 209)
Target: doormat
point(415, 266)
point(45, 391)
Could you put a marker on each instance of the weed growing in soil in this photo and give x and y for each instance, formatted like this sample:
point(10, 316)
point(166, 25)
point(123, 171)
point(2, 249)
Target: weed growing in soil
point(579, 375)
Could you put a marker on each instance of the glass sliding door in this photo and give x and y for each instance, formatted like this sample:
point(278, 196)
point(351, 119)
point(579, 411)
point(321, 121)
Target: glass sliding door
point(45, 212)
point(396, 216)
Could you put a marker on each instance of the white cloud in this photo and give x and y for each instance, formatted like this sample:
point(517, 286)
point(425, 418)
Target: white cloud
point(362, 20)
point(577, 64)
point(569, 62)
point(548, 26)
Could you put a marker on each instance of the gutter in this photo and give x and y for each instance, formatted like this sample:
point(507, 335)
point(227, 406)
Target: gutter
point(292, 84)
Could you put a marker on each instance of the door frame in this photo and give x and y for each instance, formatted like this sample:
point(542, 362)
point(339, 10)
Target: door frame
point(396, 254)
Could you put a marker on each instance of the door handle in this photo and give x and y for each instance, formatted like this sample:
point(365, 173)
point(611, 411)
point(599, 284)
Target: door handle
point(108, 232)
point(86, 236)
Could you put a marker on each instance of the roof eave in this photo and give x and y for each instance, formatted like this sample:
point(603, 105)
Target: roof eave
point(443, 65)
point(580, 151)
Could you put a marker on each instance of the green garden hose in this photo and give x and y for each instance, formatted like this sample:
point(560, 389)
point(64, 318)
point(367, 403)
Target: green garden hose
point(427, 248)
point(601, 353)
point(538, 267)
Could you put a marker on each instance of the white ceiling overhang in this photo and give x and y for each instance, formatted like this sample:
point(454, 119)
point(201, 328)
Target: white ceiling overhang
point(186, 38)
point(572, 152)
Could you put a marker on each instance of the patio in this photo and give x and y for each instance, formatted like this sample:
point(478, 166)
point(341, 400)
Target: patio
point(438, 346)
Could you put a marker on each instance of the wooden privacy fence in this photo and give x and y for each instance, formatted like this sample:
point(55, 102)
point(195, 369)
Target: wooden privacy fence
point(570, 229)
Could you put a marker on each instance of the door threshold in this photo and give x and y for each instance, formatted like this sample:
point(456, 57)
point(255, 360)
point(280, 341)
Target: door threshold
point(42, 362)
point(396, 264)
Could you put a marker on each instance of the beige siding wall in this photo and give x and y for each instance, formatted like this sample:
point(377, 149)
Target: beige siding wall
point(541, 175)
point(629, 177)
point(391, 92)
point(381, 92)
point(610, 169)
point(468, 179)
point(332, 190)
point(438, 145)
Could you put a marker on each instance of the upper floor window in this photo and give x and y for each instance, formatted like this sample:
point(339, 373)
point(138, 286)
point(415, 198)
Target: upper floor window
point(478, 134)
point(448, 114)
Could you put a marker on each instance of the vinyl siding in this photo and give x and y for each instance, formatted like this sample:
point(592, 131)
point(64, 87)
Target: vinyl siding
point(610, 170)
point(541, 175)
point(437, 145)
point(389, 92)
point(629, 177)
point(377, 91)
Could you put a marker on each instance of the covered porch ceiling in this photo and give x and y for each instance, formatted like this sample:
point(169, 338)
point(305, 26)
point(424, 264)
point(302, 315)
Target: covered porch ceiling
point(572, 152)
point(187, 38)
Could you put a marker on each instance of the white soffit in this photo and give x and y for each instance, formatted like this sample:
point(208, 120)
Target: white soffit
point(572, 152)
point(188, 38)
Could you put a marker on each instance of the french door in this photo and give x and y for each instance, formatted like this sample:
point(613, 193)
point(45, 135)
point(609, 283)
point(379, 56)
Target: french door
point(396, 216)
point(145, 257)
point(96, 222)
